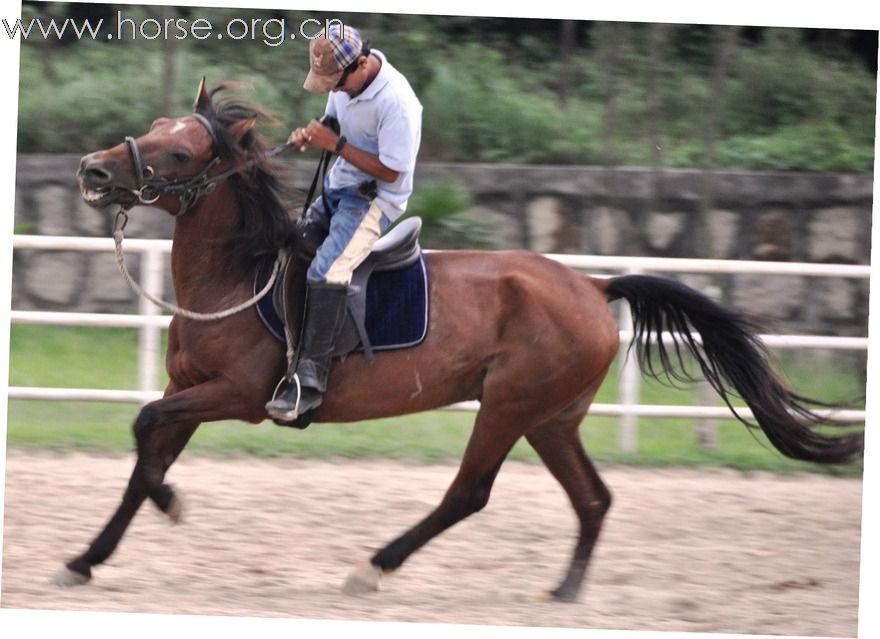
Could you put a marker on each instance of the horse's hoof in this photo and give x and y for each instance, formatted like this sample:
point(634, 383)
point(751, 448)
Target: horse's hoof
point(67, 578)
point(174, 512)
point(542, 598)
point(363, 581)
point(563, 595)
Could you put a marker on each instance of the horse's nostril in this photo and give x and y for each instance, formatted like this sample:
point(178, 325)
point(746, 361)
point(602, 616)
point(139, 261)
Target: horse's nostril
point(96, 175)
point(93, 170)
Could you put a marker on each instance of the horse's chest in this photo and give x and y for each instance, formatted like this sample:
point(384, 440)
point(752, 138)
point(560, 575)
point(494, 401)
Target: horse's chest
point(183, 370)
point(191, 364)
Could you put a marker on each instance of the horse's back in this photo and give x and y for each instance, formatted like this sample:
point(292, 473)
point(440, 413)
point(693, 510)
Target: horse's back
point(522, 291)
point(526, 275)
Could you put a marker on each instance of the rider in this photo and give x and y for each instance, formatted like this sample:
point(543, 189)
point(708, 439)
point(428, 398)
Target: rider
point(380, 121)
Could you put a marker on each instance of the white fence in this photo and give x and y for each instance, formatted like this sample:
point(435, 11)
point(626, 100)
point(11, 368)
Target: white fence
point(150, 323)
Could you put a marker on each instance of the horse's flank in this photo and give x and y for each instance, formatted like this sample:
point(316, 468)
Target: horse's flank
point(521, 325)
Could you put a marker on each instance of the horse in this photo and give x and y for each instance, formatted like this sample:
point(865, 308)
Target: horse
point(529, 338)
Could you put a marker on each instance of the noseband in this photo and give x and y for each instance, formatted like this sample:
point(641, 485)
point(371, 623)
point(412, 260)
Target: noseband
point(189, 189)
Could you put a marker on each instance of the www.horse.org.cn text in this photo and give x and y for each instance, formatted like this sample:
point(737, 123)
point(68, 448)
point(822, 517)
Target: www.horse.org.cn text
point(272, 32)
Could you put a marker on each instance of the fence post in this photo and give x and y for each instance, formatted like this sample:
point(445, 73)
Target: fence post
point(629, 383)
point(150, 334)
point(707, 429)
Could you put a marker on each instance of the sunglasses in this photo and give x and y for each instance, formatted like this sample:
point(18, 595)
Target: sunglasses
point(351, 68)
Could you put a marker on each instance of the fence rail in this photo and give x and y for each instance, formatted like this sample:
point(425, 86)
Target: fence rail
point(150, 323)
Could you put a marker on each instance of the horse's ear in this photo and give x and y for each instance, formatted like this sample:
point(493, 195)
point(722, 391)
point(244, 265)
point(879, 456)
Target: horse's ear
point(203, 98)
point(238, 129)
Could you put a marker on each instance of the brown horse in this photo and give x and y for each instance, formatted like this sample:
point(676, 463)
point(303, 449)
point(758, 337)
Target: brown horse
point(530, 339)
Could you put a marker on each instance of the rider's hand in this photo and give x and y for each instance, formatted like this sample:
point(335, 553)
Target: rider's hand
point(321, 136)
point(300, 139)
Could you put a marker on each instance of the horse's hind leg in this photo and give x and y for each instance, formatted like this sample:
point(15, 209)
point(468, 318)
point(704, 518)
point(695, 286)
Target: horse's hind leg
point(468, 493)
point(146, 481)
point(559, 445)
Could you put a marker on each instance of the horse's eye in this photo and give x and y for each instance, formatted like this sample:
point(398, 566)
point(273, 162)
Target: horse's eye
point(180, 156)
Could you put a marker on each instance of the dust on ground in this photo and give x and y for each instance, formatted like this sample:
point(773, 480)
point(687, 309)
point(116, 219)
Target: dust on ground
point(681, 550)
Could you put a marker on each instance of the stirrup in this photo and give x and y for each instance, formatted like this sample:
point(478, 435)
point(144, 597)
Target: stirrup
point(289, 415)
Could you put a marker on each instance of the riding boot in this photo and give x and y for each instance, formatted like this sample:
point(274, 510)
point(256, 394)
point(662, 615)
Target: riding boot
point(325, 316)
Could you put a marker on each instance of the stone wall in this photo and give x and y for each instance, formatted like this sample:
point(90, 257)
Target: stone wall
point(748, 216)
point(676, 213)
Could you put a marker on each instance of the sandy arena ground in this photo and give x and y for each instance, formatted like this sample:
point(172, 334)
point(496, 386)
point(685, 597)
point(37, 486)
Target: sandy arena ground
point(682, 550)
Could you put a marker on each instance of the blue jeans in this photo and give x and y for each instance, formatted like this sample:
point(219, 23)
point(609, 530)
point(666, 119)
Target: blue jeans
point(355, 224)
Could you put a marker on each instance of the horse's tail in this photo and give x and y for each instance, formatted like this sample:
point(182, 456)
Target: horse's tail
point(732, 359)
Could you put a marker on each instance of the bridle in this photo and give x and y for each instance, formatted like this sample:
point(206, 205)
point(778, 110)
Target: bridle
point(150, 187)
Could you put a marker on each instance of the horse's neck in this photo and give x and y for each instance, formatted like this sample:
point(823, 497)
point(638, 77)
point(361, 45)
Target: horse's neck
point(199, 254)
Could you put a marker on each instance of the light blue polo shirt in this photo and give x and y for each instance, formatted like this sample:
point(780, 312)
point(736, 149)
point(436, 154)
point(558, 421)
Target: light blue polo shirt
point(386, 120)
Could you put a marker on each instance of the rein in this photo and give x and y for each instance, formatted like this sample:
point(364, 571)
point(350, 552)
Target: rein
point(118, 237)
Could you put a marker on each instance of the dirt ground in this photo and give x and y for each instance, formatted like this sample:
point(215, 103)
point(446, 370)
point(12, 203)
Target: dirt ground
point(682, 550)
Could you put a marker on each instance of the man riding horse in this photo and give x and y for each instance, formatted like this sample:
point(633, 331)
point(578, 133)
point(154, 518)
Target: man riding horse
point(529, 338)
point(367, 189)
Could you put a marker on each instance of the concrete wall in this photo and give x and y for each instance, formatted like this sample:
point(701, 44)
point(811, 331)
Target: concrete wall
point(764, 216)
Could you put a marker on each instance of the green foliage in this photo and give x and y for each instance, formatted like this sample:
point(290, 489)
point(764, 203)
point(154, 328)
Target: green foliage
point(477, 110)
point(84, 111)
point(443, 206)
point(780, 85)
point(770, 87)
point(493, 89)
point(823, 146)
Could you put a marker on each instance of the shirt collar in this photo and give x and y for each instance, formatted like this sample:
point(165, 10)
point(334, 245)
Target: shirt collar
point(378, 82)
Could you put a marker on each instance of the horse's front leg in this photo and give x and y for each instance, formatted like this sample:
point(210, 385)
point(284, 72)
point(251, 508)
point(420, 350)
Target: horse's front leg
point(162, 430)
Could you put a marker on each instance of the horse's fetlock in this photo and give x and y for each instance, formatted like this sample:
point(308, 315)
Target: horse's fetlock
point(81, 567)
point(477, 500)
point(604, 501)
point(163, 497)
point(481, 502)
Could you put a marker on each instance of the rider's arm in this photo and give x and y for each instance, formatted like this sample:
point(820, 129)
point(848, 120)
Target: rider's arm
point(316, 134)
point(368, 163)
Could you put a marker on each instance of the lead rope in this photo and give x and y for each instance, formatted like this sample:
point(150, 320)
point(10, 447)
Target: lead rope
point(119, 227)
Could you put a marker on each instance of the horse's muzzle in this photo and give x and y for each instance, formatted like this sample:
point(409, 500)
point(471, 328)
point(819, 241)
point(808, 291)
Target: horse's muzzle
point(98, 184)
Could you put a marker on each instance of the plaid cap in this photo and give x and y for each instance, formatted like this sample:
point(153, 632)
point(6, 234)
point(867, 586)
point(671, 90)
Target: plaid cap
point(329, 55)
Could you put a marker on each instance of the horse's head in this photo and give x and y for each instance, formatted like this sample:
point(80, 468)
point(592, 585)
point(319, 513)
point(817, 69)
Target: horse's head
point(171, 165)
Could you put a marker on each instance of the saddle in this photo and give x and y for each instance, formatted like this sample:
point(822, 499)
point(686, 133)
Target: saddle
point(387, 299)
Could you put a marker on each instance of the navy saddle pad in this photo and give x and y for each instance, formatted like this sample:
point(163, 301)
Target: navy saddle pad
point(397, 307)
point(395, 313)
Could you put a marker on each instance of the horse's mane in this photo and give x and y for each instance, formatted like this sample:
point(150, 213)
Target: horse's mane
point(263, 189)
